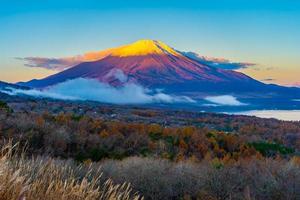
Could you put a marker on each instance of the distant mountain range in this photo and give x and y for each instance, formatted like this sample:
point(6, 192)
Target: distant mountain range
point(153, 64)
point(4, 85)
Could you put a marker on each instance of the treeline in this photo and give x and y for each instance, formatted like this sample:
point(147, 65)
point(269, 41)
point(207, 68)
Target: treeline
point(88, 139)
point(287, 132)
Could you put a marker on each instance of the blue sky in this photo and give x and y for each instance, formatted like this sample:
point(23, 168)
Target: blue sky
point(262, 32)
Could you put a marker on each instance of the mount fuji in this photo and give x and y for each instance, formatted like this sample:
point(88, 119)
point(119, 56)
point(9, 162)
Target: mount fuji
point(155, 65)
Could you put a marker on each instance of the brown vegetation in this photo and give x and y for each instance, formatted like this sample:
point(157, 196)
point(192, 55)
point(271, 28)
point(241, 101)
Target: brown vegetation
point(162, 156)
point(47, 179)
point(264, 179)
point(86, 138)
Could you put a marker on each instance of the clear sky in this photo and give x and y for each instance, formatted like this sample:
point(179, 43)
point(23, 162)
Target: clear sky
point(266, 32)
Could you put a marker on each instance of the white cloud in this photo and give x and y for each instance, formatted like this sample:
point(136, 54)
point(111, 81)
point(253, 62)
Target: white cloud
point(36, 93)
point(224, 100)
point(118, 74)
point(93, 90)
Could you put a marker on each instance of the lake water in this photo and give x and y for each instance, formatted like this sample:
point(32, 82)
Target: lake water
point(288, 115)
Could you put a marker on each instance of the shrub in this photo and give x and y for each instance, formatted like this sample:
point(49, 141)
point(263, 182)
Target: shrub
point(4, 106)
point(247, 179)
point(271, 149)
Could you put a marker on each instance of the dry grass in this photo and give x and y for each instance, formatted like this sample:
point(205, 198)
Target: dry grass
point(49, 179)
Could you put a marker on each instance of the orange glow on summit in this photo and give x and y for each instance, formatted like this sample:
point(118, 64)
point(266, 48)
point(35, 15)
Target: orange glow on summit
point(144, 47)
point(138, 48)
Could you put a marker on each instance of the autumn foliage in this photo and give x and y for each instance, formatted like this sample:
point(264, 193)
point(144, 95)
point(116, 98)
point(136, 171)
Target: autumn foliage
point(184, 156)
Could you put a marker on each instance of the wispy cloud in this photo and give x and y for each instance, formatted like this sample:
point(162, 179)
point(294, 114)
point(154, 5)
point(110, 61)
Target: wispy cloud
point(224, 100)
point(60, 64)
point(218, 62)
point(93, 90)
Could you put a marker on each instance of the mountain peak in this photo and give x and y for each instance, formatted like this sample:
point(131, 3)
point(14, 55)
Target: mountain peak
point(150, 63)
point(144, 47)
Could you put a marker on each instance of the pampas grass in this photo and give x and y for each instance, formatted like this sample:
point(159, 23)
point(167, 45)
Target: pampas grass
point(43, 178)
